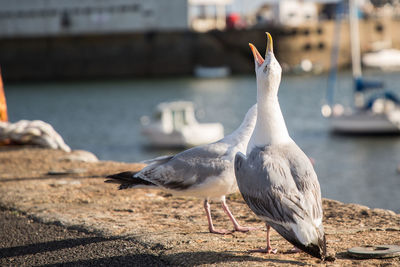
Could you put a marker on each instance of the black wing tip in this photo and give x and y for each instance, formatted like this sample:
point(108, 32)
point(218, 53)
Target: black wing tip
point(110, 181)
point(124, 186)
point(318, 251)
point(127, 180)
point(121, 175)
point(313, 250)
point(117, 178)
point(123, 179)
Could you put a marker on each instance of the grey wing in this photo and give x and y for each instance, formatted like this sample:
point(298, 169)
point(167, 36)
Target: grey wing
point(306, 180)
point(269, 183)
point(253, 183)
point(266, 184)
point(188, 168)
point(243, 170)
point(254, 186)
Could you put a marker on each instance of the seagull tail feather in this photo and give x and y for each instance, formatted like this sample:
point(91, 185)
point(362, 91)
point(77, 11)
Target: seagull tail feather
point(127, 180)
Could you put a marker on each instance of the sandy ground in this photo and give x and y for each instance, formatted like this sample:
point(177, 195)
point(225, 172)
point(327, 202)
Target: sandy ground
point(49, 187)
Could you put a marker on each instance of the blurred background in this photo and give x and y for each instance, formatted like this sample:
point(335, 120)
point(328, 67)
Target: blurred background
point(97, 70)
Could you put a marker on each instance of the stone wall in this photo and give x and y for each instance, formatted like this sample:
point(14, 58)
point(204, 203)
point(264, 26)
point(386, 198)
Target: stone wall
point(176, 53)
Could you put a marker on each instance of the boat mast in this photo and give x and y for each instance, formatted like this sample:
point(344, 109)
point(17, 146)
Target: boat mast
point(335, 54)
point(327, 108)
point(354, 40)
point(355, 54)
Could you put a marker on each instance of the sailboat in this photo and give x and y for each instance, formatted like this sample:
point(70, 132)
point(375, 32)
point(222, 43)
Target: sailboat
point(380, 113)
point(387, 59)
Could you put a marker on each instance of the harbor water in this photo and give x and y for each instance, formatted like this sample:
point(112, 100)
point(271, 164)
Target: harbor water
point(104, 117)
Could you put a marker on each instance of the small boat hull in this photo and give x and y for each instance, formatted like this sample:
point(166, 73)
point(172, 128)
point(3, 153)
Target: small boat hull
point(363, 123)
point(193, 135)
point(386, 59)
point(174, 125)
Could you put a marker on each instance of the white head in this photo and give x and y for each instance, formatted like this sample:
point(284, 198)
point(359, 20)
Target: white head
point(268, 70)
point(270, 125)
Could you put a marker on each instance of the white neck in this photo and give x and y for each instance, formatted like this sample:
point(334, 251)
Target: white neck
point(270, 126)
point(241, 136)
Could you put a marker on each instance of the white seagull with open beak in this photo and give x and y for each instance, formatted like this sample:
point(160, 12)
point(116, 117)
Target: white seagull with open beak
point(276, 179)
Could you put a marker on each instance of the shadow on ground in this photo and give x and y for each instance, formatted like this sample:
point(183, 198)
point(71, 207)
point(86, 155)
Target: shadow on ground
point(211, 257)
point(129, 260)
point(50, 246)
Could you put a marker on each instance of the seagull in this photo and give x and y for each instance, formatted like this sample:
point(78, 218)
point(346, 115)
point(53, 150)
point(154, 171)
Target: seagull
point(276, 179)
point(205, 171)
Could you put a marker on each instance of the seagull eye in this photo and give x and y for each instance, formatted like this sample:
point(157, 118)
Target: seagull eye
point(265, 69)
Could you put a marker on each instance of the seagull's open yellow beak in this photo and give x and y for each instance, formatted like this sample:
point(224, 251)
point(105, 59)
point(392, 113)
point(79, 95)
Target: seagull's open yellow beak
point(270, 46)
point(257, 57)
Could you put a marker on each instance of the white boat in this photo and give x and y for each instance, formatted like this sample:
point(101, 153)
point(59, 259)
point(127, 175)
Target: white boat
point(383, 120)
point(380, 114)
point(363, 123)
point(174, 124)
point(385, 59)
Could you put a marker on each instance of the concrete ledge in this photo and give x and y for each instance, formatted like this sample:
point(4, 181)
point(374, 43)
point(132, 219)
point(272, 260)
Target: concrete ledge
point(173, 229)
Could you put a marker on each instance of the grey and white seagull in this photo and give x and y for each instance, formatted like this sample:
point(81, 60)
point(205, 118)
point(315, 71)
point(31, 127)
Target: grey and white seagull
point(204, 171)
point(276, 179)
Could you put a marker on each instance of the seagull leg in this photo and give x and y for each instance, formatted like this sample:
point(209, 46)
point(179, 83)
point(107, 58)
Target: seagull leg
point(233, 220)
point(268, 249)
point(210, 223)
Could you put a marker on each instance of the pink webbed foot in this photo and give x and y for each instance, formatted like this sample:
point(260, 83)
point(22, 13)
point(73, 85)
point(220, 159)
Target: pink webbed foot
point(236, 225)
point(220, 231)
point(210, 223)
point(268, 249)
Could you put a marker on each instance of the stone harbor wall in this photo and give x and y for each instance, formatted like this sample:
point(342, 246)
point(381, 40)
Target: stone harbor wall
point(155, 54)
point(56, 187)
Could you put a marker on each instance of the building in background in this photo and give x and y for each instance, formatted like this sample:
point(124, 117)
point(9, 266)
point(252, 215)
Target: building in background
point(294, 13)
point(205, 15)
point(60, 39)
point(288, 13)
point(54, 17)
point(57, 17)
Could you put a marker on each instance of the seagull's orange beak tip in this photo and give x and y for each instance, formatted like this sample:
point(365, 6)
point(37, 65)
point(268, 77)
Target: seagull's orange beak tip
point(257, 57)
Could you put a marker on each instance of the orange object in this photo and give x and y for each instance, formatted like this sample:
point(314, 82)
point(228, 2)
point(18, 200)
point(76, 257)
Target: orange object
point(3, 104)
